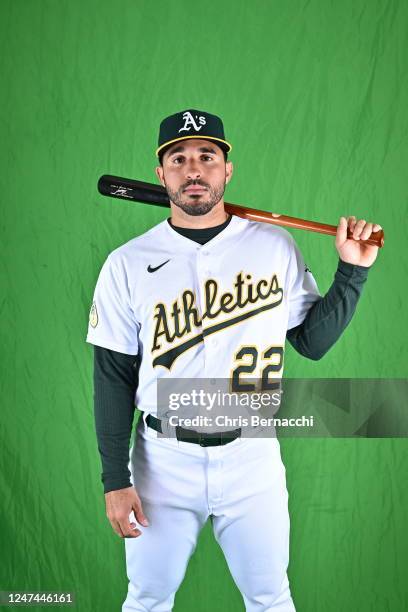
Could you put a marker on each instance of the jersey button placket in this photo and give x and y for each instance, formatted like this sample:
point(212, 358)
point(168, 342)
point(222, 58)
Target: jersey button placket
point(203, 273)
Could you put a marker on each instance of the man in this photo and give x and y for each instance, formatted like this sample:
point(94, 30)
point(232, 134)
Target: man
point(205, 295)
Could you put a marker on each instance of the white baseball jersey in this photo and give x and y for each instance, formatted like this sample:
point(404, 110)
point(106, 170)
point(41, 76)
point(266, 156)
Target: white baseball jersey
point(201, 311)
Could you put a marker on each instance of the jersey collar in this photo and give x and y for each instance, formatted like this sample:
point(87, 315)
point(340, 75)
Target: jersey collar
point(235, 226)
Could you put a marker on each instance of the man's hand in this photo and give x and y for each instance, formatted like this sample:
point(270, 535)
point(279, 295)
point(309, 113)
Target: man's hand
point(353, 250)
point(119, 504)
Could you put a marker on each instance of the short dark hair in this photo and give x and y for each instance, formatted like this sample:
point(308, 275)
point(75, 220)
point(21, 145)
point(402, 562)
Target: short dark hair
point(163, 152)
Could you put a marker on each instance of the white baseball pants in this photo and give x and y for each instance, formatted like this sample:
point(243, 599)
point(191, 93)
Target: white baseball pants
point(242, 485)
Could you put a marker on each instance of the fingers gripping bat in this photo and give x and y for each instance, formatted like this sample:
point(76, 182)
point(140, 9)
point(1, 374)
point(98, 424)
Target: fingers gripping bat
point(156, 195)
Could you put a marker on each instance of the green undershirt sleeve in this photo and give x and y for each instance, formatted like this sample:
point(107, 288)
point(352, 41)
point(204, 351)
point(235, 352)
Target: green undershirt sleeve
point(115, 383)
point(328, 317)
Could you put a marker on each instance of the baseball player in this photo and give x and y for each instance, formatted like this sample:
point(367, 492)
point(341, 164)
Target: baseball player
point(205, 295)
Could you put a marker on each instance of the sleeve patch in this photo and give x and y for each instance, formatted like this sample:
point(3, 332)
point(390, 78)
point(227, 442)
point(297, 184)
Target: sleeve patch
point(93, 316)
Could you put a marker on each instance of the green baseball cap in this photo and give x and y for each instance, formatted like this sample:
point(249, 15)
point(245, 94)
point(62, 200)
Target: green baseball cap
point(188, 124)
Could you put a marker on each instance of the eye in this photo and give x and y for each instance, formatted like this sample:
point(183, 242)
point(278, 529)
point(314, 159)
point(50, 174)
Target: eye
point(207, 156)
point(176, 159)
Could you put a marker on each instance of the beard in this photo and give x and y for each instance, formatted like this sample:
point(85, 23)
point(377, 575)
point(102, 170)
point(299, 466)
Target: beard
point(197, 204)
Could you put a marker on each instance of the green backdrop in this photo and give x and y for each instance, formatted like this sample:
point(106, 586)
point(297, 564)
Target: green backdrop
point(313, 95)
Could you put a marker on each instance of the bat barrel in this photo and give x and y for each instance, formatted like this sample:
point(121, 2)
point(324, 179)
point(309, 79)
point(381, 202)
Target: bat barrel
point(129, 189)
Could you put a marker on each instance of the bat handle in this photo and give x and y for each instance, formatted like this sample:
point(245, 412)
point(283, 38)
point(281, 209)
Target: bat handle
point(375, 239)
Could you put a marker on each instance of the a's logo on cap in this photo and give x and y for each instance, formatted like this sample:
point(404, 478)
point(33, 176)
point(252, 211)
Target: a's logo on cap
point(189, 122)
point(93, 315)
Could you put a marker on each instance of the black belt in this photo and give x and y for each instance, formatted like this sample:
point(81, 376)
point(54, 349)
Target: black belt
point(196, 437)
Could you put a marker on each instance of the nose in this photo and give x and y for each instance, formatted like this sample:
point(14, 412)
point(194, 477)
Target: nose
point(192, 171)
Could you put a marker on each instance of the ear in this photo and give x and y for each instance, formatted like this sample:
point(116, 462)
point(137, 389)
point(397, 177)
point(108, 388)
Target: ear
point(160, 174)
point(229, 169)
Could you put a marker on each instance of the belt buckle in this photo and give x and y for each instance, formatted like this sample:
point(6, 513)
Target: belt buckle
point(201, 439)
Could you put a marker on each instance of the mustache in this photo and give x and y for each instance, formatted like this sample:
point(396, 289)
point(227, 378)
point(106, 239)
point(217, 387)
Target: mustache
point(195, 182)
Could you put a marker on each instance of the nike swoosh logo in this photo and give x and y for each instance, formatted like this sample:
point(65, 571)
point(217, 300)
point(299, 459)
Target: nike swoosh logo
point(151, 269)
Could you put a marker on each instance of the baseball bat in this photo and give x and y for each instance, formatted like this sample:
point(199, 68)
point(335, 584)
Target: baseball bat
point(156, 195)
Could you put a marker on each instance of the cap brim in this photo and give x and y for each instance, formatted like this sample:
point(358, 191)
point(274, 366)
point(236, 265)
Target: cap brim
point(223, 144)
